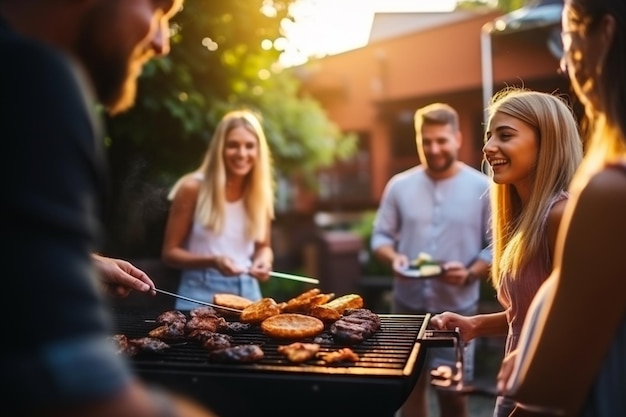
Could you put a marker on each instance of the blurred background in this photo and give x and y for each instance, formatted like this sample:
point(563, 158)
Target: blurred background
point(336, 83)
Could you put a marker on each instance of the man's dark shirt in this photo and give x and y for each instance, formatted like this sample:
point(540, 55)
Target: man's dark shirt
point(53, 169)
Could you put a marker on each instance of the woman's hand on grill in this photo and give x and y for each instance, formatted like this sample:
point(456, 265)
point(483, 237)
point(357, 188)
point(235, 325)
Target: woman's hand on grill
point(451, 321)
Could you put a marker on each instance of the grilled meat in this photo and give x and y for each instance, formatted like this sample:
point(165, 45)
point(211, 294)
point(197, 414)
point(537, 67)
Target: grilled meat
point(149, 344)
point(233, 327)
point(123, 347)
point(238, 354)
point(355, 326)
point(341, 355)
point(324, 339)
point(211, 340)
point(171, 316)
point(203, 311)
point(260, 310)
point(335, 308)
point(172, 331)
point(304, 302)
point(213, 323)
point(299, 352)
point(301, 302)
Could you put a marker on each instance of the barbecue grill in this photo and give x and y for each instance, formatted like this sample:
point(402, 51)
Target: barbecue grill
point(377, 385)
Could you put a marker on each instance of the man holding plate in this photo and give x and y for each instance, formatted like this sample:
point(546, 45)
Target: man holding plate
point(436, 214)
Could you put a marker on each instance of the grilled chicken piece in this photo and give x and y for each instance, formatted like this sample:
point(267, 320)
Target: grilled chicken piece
point(171, 316)
point(335, 308)
point(172, 331)
point(123, 347)
point(320, 299)
point(238, 354)
point(213, 323)
point(299, 352)
point(300, 303)
point(341, 355)
point(355, 326)
point(260, 310)
point(149, 344)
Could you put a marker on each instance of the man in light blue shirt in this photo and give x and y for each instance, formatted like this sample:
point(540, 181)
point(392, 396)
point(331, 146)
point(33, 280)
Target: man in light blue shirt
point(440, 208)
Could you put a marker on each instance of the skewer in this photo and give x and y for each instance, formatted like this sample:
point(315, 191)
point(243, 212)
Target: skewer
point(294, 277)
point(182, 297)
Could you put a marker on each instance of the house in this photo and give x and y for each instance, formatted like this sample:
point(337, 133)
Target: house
point(414, 59)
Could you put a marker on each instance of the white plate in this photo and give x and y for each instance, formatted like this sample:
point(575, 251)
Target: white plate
point(416, 273)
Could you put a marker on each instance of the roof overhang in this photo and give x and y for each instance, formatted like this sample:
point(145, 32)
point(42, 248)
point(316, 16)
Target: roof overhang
point(542, 14)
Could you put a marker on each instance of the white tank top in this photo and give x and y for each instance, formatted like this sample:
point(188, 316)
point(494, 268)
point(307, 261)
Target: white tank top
point(232, 242)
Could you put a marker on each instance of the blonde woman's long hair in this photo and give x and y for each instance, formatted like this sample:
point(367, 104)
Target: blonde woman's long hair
point(258, 195)
point(518, 232)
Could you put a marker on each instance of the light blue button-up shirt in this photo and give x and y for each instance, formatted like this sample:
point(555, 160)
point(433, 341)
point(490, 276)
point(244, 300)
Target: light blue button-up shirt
point(448, 219)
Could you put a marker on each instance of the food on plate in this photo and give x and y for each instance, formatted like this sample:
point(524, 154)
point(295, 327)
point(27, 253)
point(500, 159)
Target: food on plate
point(231, 301)
point(355, 326)
point(341, 355)
point(426, 265)
point(238, 354)
point(292, 326)
point(298, 351)
point(171, 316)
point(422, 258)
point(335, 308)
point(259, 311)
point(172, 331)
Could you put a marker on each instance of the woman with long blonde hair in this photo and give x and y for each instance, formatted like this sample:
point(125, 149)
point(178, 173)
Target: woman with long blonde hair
point(533, 148)
point(218, 228)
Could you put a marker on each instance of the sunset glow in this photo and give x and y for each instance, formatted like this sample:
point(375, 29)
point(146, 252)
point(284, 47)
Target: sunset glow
point(326, 27)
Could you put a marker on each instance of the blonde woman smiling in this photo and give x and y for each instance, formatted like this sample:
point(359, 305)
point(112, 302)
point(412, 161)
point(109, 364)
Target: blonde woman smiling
point(218, 229)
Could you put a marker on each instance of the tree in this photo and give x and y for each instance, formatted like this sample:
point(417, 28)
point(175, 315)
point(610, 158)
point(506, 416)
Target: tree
point(503, 5)
point(223, 56)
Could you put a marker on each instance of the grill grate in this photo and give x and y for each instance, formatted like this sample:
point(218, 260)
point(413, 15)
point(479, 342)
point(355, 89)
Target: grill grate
point(387, 352)
point(375, 386)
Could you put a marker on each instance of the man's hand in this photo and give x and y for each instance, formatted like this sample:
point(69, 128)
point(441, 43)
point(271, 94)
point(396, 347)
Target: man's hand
point(121, 277)
point(456, 273)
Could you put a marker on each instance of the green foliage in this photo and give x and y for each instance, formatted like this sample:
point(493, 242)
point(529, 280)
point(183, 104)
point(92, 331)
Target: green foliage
point(283, 289)
point(217, 63)
point(363, 227)
point(503, 5)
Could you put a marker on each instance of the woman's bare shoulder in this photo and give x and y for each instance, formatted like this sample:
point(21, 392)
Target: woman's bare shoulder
point(188, 187)
point(607, 185)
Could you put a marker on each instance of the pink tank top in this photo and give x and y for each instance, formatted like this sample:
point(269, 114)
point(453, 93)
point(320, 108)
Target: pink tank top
point(516, 294)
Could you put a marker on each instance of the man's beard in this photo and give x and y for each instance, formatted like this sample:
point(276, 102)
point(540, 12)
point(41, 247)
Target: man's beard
point(109, 71)
point(447, 163)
